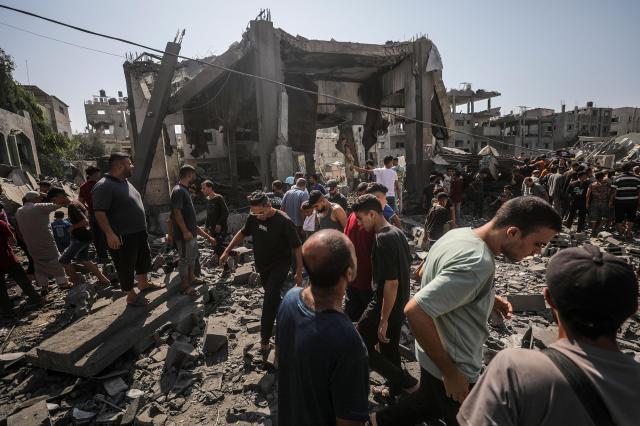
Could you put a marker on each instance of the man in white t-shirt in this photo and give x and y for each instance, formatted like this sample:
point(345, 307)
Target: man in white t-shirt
point(385, 176)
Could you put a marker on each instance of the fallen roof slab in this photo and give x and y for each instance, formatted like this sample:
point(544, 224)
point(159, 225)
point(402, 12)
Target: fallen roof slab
point(93, 343)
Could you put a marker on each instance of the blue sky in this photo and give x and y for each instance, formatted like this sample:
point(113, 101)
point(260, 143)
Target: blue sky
point(536, 54)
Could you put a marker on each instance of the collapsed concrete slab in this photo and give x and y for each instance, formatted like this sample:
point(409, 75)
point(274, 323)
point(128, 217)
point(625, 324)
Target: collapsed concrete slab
point(36, 415)
point(93, 343)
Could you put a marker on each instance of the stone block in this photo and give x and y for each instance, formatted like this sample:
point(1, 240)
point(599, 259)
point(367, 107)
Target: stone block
point(130, 413)
point(36, 415)
point(242, 273)
point(254, 327)
point(527, 302)
point(252, 381)
point(254, 280)
point(215, 337)
point(243, 254)
point(115, 386)
point(178, 353)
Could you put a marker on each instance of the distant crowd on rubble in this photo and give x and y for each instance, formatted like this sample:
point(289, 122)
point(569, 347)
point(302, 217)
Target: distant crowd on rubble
point(351, 268)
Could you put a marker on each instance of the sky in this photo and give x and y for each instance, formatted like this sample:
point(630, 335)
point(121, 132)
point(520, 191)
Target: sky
point(535, 53)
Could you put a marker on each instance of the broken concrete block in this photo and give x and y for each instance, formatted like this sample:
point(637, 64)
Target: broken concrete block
point(134, 393)
point(267, 382)
point(527, 302)
point(215, 337)
point(130, 414)
point(185, 325)
point(243, 254)
point(254, 327)
point(115, 386)
point(160, 354)
point(36, 415)
point(178, 353)
point(242, 273)
point(205, 291)
point(603, 235)
point(254, 280)
point(82, 417)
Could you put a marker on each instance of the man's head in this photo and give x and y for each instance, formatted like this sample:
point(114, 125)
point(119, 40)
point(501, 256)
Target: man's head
point(450, 171)
point(528, 181)
point(582, 176)
point(575, 165)
point(442, 198)
point(207, 188)
point(600, 176)
point(388, 161)
point(44, 186)
point(395, 161)
point(58, 215)
point(297, 175)
point(276, 186)
point(553, 169)
point(301, 183)
point(627, 168)
point(362, 188)
point(58, 196)
point(307, 209)
point(379, 191)
point(32, 197)
point(525, 226)
point(259, 205)
point(93, 173)
point(330, 259)
point(332, 186)
point(368, 211)
point(591, 292)
point(313, 179)
point(120, 165)
point(536, 173)
point(187, 174)
point(318, 201)
point(369, 165)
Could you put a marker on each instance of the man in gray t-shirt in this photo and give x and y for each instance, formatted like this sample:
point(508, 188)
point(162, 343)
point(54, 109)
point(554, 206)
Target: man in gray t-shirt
point(448, 316)
point(593, 294)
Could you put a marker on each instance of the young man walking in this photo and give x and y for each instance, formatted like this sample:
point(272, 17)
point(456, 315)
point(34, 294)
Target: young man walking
point(120, 214)
point(382, 319)
point(186, 229)
point(449, 315)
point(217, 215)
point(329, 215)
point(591, 294)
point(275, 239)
point(385, 176)
point(323, 376)
point(84, 196)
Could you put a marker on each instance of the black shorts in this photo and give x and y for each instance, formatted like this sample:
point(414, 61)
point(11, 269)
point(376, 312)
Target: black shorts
point(626, 210)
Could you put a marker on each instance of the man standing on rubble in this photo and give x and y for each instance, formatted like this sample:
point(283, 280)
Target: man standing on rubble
point(591, 294)
point(625, 196)
point(84, 196)
point(385, 176)
point(329, 215)
point(323, 376)
point(449, 315)
point(186, 229)
point(382, 320)
point(120, 214)
point(217, 215)
point(33, 221)
point(292, 203)
point(555, 183)
point(379, 190)
point(274, 239)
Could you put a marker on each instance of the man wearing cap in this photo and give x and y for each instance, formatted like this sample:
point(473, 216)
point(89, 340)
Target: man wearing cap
point(329, 215)
point(84, 196)
point(591, 294)
point(33, 221)
point(335, 196)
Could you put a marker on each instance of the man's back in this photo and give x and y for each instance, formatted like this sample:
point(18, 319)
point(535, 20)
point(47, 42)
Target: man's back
point(524, 387)
point(626, 186)
point(322, 366)
point(291, 203)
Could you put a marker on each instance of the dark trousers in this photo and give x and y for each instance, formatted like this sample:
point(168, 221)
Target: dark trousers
point(356, 301)
point(99, 239)
point(579, 210)
point(132, 258)
point(272, 281)
point(386, 362)
point(478, 201)
point(16, 272)
point(428, 404)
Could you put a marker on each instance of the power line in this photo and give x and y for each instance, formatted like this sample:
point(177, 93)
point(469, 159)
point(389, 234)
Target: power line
point(288, 86)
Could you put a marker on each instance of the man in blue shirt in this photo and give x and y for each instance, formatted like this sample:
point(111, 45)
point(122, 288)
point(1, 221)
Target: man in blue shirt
point(380, 191)
point(60, 227)
point(292, 202)
point(323, 375)
point(315, 184)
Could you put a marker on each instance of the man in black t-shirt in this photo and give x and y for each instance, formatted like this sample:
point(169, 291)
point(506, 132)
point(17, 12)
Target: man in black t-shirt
point(274, 238)
point(438, 217)
point(323, 375)
point(81, 238)
point(382, 320)
point(578, 204)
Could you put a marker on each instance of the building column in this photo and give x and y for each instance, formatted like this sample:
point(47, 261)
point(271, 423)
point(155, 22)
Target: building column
point(13, 149)
point(4, 151)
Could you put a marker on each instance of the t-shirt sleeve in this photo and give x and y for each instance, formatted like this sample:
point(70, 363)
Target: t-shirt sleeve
point(48, 207)
point(350, 386)
point(494, 399)
point(449, 290)
point(248, 225)
point(291, 233)
point(387, 259)
point(101, 197)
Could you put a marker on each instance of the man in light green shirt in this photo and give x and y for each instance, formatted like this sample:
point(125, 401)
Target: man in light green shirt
point(449, 315)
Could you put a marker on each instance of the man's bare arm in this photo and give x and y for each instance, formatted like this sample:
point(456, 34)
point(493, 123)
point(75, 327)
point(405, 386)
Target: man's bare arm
point(362, 170)
point(388, 300)
point(297, 252)
point(237, 239)
point(340, 216)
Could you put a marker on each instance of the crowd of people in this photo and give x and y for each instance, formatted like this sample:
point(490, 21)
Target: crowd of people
point(351, 269)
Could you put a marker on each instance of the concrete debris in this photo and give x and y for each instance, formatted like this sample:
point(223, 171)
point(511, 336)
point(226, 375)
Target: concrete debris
point(115, 386)
point(527, 302)
point(215, 337)
point(36, 415)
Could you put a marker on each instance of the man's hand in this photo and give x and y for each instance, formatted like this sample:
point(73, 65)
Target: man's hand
point(298, 279)
point(187, 236)
point(502, 307)
point(382, 331)
point(217, 229)
point(113, 241)
point(223, 258)
point(212, 241)
point(169, 240)
point(456, 385)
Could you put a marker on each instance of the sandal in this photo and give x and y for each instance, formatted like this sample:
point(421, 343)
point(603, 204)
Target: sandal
point(139, 302)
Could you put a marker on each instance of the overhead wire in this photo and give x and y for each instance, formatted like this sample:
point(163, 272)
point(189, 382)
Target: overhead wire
point(249, 75)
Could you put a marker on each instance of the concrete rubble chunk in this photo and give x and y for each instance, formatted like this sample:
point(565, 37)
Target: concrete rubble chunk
point(36, 415)
point(527, 302)
point(242, 274)
point(115, 386)
point(215, 337)
point(131, 412)
point(178, 353)
point(254, 327)
point(243, 254)
point(266, 383)
point(134, 393)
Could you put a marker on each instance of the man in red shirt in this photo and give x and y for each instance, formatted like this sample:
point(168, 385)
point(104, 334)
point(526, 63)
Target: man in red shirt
point(359, 290)
point(9, 265)
point(84, 196)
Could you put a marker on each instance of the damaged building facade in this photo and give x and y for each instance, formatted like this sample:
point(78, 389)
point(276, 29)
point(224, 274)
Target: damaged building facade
point(244, 132)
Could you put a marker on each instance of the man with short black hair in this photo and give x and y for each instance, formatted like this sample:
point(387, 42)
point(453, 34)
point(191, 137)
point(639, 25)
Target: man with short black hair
point(329, 215)
point(382, 320)
point(379, 190)
point(385, 176)
point(217, 215)
point(93, 174)
point(120, 214)
point(591, 294)
point(274, 239)
point(315, 185)
point(555, 183)
point(578, 204)
point(323, 376)
point(438, 217)
point(186, 229)
point(448, 316)
point(276, 194)
point(625, 199)
point(335, 196)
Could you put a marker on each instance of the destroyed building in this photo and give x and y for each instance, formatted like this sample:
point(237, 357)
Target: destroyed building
point(17, 143)
point(54, 110)
point(107, 117)
point(244, 132)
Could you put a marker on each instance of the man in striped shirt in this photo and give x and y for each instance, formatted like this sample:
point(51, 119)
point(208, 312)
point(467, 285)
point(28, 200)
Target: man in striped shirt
point(624, 198)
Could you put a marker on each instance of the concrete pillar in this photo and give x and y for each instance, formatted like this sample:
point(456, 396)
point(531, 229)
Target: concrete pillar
point(13, 149)
point(268, 63)
point(4, 151)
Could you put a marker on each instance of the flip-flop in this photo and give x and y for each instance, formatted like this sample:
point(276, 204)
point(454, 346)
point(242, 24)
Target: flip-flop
point(139, 301)
point(150, 287)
